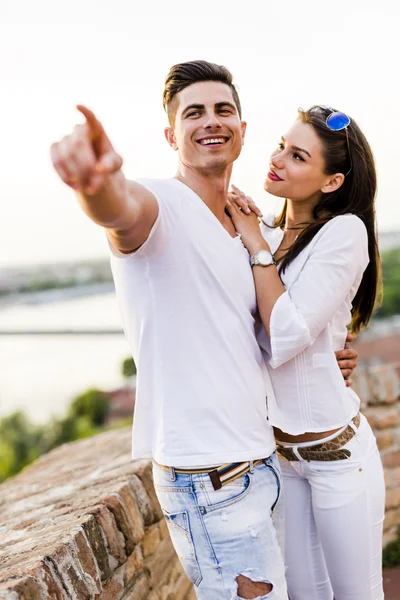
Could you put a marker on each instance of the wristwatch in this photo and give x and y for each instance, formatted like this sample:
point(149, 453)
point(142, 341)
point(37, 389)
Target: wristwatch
point(262, 258)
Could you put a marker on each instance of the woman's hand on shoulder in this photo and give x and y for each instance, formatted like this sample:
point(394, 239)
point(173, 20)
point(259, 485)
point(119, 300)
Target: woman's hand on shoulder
point(245, 203)
point(245, 216)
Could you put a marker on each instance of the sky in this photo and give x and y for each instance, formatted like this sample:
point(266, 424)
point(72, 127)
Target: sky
point(114, 55)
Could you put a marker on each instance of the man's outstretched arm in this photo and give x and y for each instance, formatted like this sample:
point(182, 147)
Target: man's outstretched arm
point(87, 162)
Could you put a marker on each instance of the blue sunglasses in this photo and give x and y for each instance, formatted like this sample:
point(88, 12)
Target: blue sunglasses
point(337, 121)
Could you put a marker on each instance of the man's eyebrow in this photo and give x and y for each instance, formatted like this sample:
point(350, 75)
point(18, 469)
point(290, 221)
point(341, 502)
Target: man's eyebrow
point(193, 106)
point(202, 106)
point(221, 104)
point(297, 148)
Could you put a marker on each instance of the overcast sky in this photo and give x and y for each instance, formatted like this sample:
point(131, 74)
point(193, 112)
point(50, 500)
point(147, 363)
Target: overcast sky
point(113, 56)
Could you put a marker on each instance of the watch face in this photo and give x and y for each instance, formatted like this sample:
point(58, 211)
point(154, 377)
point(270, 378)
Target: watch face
point(264, 257)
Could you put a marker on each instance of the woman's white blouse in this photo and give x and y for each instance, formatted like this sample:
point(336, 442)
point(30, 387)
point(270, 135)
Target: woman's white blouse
point(308, 323)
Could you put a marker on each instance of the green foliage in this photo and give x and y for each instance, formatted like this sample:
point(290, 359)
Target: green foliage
point(66, 430)
point(391, 283)
point(21, 442)
point(92, 404)
point(128, 367)
point(8, 463)
point(391, 554)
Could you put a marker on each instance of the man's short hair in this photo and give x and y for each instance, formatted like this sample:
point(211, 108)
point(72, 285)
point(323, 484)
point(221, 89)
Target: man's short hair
point(184, 74)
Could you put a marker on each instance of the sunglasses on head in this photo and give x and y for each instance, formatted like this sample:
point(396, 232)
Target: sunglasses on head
point(337, 121)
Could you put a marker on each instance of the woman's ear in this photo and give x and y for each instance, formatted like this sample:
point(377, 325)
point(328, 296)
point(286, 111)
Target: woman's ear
point(334, 182)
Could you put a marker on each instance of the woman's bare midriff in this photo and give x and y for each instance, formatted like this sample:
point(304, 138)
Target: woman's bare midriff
point(281, 436)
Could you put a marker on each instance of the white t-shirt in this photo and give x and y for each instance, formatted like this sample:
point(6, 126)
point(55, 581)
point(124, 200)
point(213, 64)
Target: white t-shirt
point(308, 323)
point(187, 300)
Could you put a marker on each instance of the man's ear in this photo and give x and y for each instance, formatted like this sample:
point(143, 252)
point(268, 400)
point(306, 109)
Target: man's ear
point(334, 182)
point(170, 137)
point(243, 126)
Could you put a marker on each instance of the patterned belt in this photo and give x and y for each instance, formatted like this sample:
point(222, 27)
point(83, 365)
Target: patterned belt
point(330, 450)
point(221, 475)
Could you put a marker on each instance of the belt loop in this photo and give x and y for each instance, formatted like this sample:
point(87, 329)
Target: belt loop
point(172, 474)
point(297, 453)
point(251, 469)
point(354, 427)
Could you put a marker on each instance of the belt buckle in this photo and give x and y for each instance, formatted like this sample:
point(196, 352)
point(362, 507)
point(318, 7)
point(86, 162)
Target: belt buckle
point(215, 479)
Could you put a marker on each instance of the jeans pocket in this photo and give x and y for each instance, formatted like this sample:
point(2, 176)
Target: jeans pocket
point(181, 536)
point(272, 463)
point(229, 494)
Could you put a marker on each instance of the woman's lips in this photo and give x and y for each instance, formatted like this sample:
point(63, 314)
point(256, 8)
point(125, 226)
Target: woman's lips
point(272, 175)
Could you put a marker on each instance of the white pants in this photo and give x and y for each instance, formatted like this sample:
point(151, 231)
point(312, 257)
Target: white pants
point(333, 521)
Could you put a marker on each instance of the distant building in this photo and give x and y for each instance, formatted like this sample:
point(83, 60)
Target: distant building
point(122, 403)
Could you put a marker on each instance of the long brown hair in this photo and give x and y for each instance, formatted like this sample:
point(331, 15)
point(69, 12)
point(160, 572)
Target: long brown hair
point(356, 196)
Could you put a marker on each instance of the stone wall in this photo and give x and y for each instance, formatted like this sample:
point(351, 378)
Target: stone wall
point(83, 521)
point(379, 390)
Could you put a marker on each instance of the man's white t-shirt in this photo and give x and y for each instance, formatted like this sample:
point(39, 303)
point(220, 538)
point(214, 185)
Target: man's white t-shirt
point(188, 302)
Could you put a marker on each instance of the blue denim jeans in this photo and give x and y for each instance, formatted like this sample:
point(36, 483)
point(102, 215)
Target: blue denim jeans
point(221, 534)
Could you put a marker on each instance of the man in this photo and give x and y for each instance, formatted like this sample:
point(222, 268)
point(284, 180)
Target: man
point(186, 292)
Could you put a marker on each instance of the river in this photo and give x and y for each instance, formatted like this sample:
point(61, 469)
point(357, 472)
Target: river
point(41, 373)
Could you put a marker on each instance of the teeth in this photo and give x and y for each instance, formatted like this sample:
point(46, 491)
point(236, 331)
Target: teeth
point(213, 141)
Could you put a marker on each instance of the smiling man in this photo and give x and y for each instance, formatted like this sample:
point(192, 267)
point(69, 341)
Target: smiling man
point(187, 297)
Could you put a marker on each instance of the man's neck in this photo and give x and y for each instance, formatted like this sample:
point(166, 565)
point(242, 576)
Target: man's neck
point(212, 188)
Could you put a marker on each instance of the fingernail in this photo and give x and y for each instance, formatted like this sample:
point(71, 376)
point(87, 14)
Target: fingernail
point(248, 211)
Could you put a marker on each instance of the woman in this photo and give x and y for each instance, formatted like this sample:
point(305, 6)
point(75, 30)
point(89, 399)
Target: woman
point(316, 269)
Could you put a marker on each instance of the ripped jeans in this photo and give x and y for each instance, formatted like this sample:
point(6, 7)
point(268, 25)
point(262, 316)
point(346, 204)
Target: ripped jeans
point(221, 534)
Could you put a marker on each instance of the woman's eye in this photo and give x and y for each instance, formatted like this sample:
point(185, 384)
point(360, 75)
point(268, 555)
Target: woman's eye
point(280, 146)
point(298, 157)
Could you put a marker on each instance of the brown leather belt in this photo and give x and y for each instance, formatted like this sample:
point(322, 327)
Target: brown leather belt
point(327, 451)
point(222, 475)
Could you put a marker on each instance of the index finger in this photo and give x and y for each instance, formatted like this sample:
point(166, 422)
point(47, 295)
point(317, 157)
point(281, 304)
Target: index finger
point(95, 127)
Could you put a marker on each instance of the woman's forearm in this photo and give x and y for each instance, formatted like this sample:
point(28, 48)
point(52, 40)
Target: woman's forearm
point(269, 286)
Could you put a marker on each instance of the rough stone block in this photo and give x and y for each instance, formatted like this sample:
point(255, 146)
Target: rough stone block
point(151, 540)
point(392, 519)
point(140, 590)
point(144, 472)
point(96, 540)
point(384, 384)
point(133, 565)
point(114, 538)
point(143, 500)
point(127, 515)
point(361, 386)
point(48, 580)
point(113, 588)
point(182, 587)
point(384, 439)
point(392, 499)
point(88, 563)
point(159, 565)
point(389, 536)
point(391, 459)
point(393, 477)
point(69, 571)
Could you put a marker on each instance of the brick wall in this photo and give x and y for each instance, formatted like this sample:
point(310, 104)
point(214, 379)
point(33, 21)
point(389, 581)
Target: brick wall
point(379, 390)
point(83, 521)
